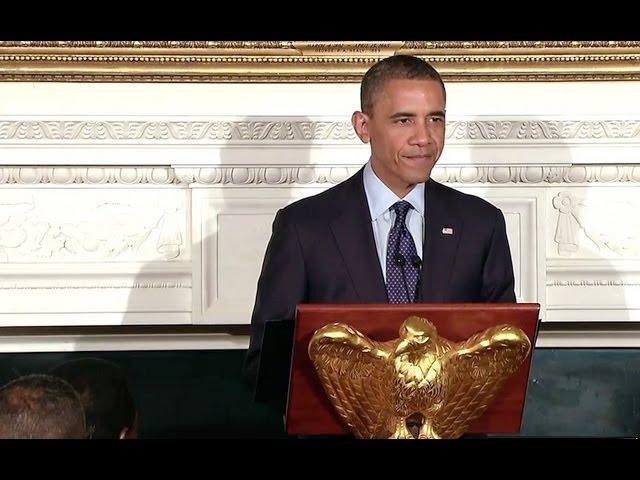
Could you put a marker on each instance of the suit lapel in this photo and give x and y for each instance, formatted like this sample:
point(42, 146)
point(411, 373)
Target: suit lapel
point(353, 232)
point(443, 229)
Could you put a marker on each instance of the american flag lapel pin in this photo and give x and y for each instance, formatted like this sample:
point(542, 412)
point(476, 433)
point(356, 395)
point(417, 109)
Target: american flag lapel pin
point(447, 231)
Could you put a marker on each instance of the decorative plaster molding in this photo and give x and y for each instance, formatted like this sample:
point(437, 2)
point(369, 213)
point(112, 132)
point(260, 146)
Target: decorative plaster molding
point(88, 175)
point(282, 175)
point(254, 131)
point(275, 130)
point(537, 174)
point(88, 228)
point(610, 229)
point(592, 283)
point(102, 286)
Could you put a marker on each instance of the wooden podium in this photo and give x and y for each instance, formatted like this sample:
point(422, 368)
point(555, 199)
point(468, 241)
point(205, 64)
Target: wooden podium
point(309, 411)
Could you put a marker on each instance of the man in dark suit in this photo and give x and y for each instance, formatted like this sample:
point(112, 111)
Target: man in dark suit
point(389, 233)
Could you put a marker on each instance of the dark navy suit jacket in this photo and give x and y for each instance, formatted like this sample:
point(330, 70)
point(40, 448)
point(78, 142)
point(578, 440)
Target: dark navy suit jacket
point(322, 250)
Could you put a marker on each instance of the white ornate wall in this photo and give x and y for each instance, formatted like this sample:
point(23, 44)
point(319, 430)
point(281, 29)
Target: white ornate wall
point(151, 204)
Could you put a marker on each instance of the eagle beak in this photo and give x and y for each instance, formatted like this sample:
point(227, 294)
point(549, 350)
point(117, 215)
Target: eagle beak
point(403, 347)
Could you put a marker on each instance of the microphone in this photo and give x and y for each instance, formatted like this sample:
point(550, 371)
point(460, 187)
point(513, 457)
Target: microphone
point(399, 260)
point(416, 262)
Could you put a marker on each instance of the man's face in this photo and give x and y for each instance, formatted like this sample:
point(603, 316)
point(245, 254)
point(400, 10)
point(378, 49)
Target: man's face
point(406, 131)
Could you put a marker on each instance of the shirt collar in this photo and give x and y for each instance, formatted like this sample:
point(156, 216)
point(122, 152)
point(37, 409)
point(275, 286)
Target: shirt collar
point(381, 198)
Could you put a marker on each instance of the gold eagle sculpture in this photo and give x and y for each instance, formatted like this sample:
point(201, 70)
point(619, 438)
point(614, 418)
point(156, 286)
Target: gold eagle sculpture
point(419, 385)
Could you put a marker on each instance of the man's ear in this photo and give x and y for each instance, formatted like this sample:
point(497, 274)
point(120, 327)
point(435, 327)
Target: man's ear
point(360, 122)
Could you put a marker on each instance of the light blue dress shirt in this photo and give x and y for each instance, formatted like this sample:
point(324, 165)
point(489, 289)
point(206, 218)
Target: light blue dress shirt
point(380, 199)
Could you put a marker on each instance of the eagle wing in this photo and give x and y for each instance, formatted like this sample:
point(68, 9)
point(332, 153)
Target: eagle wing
point(476, 370)
point(356, 375)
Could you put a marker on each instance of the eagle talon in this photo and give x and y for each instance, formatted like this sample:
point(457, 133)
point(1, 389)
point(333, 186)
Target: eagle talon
point(401, 432)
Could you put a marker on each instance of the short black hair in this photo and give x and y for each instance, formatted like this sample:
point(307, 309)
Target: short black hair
point(394, 67)
point(40, 406)
point(105, 394)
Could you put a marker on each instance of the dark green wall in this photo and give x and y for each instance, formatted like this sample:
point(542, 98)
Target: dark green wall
point(584, 392)
point(193, 394)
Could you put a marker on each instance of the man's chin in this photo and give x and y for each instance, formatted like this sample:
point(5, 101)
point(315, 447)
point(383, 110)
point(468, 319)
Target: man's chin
point(420, 178)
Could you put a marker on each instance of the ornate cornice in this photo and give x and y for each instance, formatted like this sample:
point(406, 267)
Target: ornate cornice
point(287, 61)
point(276, 130)
point(294, 175)
point(524, 130)
point(538, 175)
point(87, 175)
point(258, 130)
